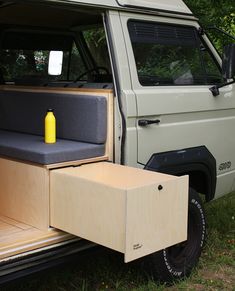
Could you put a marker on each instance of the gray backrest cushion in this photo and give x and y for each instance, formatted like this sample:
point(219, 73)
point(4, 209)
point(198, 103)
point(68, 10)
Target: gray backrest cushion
point(78, 117)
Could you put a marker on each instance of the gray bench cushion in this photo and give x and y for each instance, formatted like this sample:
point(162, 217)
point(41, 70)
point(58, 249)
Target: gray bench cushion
point(32, 148)
point(79, 117)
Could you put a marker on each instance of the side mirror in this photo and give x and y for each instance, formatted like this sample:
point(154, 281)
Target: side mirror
point(228, 66)
point(55, 63)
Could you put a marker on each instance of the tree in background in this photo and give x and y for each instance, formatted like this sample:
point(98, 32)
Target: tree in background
point(215, 13)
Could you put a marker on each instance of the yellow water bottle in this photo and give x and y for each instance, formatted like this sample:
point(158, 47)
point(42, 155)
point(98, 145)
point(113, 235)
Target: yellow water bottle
point(50, 127)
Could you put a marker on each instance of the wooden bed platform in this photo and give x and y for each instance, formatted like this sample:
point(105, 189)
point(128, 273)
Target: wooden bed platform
point(17, 238)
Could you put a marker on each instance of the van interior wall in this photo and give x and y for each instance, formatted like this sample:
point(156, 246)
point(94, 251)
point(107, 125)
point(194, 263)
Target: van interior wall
point(36, 15)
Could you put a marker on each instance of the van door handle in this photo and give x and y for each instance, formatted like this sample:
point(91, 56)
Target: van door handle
point(145, 122)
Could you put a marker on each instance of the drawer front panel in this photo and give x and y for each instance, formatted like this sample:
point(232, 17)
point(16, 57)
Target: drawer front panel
point(156, 218)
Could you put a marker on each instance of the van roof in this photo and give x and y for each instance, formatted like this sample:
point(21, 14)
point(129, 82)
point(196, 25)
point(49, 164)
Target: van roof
point(173, 6)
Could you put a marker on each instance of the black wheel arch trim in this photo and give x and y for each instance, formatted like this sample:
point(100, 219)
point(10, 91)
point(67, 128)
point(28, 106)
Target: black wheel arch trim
point(197, 162)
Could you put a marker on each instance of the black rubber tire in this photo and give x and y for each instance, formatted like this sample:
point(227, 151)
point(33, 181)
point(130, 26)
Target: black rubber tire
point(176, 262)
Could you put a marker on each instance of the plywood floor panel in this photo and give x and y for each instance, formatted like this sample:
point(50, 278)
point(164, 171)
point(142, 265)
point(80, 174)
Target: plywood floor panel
point(14, 223)
point(16, 237)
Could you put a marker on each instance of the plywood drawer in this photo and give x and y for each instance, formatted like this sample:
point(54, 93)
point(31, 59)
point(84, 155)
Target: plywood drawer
point(133, 211)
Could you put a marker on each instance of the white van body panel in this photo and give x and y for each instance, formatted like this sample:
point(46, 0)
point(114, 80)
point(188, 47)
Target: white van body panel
point(189, 116)
point(177, 6)
point(168, 5)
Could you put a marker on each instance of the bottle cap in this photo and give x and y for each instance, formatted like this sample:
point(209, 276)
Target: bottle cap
point(50, 110)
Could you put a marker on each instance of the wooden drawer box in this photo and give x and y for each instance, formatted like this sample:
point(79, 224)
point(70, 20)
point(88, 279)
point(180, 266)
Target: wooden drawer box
point(132, 211)
point(24, 193)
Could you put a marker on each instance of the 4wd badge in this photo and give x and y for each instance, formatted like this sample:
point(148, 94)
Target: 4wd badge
point(225, 166)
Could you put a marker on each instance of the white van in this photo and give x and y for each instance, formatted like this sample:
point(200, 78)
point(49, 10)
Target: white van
point(145, 110)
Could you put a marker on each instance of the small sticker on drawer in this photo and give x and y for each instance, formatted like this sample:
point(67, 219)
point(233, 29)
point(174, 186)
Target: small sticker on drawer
point(137, 246)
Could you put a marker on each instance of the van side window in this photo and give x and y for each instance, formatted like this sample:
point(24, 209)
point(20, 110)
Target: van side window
point(74, 64)
point(96, 42)
point(171, 55)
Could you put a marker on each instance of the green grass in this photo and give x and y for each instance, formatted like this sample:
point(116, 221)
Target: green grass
point(106, 270)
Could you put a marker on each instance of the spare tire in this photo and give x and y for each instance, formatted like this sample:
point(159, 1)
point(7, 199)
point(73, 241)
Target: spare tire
point(177, 262)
